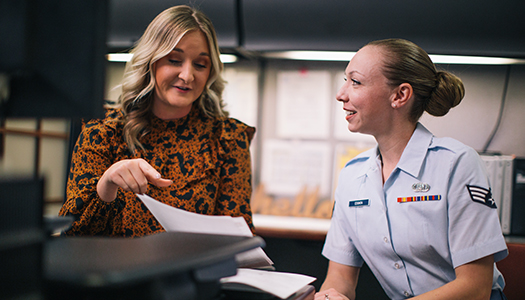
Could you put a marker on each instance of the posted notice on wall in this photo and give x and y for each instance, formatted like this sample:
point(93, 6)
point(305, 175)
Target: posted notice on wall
point(240, 95)
point(289, 166)
point(303, 104)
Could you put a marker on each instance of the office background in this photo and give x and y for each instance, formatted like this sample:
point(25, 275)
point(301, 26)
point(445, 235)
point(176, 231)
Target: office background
point(254, 31)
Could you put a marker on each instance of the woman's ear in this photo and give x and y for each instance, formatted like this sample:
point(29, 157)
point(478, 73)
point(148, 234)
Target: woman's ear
point(403, 93)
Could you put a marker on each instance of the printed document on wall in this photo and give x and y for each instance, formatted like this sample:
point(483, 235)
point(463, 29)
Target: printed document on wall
point(240, 95)
point(303, 104)
point(289, 166)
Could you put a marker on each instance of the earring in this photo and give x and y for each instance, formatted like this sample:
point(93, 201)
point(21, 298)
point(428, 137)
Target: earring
point(394, 105)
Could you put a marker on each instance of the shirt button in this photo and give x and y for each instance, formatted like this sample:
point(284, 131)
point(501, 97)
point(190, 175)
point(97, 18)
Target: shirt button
point(385, 239)
point(407, 294)
point(397, 266)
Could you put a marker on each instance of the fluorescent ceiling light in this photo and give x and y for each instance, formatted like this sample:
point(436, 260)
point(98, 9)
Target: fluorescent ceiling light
point(437, 59)
point(311, 55)
point(228, 58)
point(125, 57)
point(119, 57)
point(475, 60)
point(346, 56)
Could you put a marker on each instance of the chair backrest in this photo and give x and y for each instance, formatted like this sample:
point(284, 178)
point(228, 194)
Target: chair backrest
point(513, 270)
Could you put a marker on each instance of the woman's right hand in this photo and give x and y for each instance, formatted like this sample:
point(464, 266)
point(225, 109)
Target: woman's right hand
point(131, 175)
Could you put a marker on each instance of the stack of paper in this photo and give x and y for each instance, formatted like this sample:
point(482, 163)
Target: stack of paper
point(279, 284)
point(178, 220)
point(500, 169)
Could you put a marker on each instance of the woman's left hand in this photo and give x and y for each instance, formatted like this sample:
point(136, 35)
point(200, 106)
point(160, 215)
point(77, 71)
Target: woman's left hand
point(330, 294)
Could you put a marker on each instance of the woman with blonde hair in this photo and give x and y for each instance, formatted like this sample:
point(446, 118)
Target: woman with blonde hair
point(416, 208)
point(168, 136)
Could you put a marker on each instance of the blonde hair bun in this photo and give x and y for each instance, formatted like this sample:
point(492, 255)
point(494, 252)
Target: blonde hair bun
point(448, 93)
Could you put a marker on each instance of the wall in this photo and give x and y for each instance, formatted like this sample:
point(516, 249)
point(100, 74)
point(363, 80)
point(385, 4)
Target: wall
point(19, 156)
point(471, 122)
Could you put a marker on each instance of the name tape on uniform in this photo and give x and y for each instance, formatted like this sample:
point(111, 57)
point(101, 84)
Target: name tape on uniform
point(357, 203)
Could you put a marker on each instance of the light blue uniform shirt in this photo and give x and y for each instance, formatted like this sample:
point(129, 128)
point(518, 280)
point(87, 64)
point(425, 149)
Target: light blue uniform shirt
point(413, 236)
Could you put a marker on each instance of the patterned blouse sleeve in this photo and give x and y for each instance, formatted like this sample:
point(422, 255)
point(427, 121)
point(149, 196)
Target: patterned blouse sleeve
point(236, 174)
point(91, 157)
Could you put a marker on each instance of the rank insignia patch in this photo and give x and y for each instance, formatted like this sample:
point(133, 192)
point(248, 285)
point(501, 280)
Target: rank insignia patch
point(481, 195)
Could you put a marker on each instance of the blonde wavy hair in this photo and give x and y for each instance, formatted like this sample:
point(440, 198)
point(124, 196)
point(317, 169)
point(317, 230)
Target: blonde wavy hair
point(159, 39)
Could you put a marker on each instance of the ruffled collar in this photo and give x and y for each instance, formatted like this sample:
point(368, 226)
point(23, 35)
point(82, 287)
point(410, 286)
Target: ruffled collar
point(157, 123)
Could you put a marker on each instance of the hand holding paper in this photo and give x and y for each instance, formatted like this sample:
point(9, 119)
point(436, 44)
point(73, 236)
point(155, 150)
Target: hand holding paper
point(179, 220)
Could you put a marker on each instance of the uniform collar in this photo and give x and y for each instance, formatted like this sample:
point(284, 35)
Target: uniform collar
point(415, 151)
point(411, 159)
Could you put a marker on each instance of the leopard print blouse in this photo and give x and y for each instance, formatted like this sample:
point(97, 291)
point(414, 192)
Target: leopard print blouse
point(207, 159)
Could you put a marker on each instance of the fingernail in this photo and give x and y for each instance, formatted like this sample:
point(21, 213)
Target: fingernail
point(157, 176)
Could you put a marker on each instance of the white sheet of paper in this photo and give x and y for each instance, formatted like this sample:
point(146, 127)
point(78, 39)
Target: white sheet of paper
point(175, 219)
point(280, 284)
point(179, 220)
